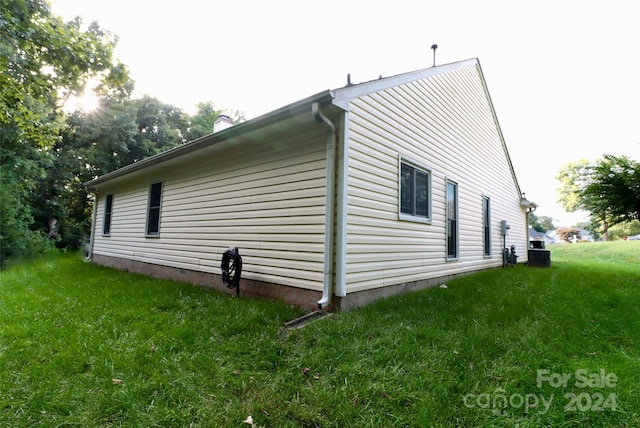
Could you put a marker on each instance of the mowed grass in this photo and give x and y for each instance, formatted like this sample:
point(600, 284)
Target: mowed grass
point(82, 345)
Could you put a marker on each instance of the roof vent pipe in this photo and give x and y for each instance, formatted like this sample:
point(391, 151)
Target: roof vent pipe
point(434, 47)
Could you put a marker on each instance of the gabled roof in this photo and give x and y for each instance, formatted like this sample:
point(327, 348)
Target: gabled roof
point(338, 97)
point(343, 95)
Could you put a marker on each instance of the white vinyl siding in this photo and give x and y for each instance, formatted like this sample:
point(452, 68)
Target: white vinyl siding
point(444, 121)
point(267, 199)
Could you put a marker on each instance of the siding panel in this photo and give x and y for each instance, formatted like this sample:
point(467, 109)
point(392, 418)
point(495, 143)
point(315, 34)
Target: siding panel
point(444, 122)
point(268, 200)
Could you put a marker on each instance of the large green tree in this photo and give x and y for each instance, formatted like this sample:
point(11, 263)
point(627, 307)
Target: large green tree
point(608, 188)
point(43, 61)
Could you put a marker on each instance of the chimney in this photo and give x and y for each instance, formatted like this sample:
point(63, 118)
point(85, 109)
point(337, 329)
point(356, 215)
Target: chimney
point(222, 122)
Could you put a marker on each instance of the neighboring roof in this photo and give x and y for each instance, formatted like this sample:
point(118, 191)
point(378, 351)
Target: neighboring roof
point(338, 97)
point(535, 234)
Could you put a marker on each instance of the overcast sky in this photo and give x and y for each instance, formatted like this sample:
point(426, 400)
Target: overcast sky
point(564, 76)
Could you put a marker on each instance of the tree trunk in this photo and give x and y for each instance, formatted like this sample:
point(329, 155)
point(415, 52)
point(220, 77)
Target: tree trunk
point(605, 228)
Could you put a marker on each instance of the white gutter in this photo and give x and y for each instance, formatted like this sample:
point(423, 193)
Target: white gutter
point(92, 235)
point(327, 289)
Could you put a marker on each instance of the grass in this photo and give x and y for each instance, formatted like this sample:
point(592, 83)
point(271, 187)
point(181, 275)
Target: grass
point(82, 345)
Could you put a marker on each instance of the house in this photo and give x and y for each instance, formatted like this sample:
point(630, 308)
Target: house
point(337, 199)
point(584, 235)
point(544, 238)
point(536, 239)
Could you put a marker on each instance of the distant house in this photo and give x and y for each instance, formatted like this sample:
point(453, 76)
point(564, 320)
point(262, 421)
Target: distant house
point(585, 235)
point(548, 237)
point(337, 199)
point(535, 236)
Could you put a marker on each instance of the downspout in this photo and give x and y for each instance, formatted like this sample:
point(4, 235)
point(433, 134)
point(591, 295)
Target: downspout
point(92, 235)
point(327, 289)
point(341, 207)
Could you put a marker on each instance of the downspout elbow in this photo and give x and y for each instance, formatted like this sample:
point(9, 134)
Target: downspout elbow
point(327, 288)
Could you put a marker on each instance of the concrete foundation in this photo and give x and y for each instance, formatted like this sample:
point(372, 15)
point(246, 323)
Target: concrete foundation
point(295, 296)
point(361, 298)
point(300, 297)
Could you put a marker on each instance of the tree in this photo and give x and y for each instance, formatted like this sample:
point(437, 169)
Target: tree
point(623, 230)
point(201, 123)
point(608, 188)
point(569, 234)
point(592, 226)
point(613, 187)
point(92, 144)
point(43, 61)
point(160, 127)
point(541, 223)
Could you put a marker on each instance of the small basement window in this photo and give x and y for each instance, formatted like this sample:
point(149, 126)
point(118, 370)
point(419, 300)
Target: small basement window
point(415, 192)
point(153, 210)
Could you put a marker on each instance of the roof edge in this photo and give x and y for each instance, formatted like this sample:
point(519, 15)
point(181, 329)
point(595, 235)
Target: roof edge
point(499, 128)
point(344, 94)
point(279, 114)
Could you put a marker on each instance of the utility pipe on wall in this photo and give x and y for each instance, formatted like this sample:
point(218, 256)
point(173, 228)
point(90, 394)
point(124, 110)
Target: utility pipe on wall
point(327, 289)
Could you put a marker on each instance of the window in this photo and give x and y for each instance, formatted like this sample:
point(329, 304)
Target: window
point(153, 212)
point(452, 220)
point(108, 207)
point(486, 221)
point(415, 192)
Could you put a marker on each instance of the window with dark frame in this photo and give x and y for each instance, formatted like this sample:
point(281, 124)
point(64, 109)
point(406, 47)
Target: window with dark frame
point(153, 212)
point(414, 191)
point(108, 207)
point(452, 220)
point(486, 220)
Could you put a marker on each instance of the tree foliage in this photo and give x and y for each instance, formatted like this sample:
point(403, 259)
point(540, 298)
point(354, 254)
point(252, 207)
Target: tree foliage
point(568, 234)
point(43, 61)
point(613, 187)
point(541, 223)
point(608, 188)
point(624, 230)
point(47, 153)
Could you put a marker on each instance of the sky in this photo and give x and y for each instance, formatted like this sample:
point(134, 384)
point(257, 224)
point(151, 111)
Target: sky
point(564, 76)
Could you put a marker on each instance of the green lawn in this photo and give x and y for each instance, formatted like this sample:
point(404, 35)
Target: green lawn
point(82, 345)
